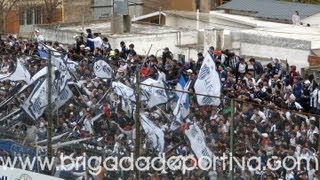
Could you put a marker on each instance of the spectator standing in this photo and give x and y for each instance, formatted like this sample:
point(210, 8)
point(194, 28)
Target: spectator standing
point(106, 45)
point(38, 37)
point(89, 43)
point(166, 55)
point(97, 41)
point(241, 69)
point(296, 18)
point(257, 68)
point(199, 62)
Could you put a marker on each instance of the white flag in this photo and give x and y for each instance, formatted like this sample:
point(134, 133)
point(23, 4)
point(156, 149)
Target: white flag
point(102, 69)
point(155, 133)
point(198, 144)
point(154, 95)
point(125, 91)
point(208, 83)
point(20, 74)
point(39, 74)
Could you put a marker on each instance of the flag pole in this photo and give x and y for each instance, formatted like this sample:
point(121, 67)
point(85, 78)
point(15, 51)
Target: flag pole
point(49, 112)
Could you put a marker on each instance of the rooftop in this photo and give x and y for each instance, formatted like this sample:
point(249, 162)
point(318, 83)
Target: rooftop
point(272, 9)
point(267, 28)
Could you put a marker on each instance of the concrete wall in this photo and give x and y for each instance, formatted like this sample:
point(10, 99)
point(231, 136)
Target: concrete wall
point(295, 51)
point(64, 37)
point(159, 41)
point(190, 22)
point(174, 41)
point(213, 37)
point(77, 11)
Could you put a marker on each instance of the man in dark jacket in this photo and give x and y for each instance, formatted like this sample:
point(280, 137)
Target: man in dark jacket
point(90, 44)
point(166, 54)
point(257, 68)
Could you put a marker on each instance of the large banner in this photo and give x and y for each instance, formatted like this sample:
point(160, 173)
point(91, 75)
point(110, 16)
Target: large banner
point(154, 133)
point(102, 69)
point(14, 148)
point(198, 144)
point(208, 83)
point(19, 174)
point(37, 101)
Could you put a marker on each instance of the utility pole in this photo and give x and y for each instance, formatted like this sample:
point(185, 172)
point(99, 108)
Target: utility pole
point(137, 122)
point(137, 117)
point(231, 138)
point(160, 10)
point(49, 111)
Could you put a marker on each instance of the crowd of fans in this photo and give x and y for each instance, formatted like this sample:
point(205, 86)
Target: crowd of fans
point(276, 109)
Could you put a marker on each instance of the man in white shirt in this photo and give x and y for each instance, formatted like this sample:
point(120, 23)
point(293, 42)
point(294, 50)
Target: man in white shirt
point(39, 38)
point(257, 113)
point(96, 40)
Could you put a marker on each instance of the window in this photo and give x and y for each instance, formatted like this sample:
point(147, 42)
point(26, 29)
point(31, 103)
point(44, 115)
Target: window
point(30, 16)
point(22, 17)
point(38, 16)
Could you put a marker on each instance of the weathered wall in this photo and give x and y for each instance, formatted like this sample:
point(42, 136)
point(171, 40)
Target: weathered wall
point(213, 37)
point(12, 22)
point(295, 51)
point(181, 21)
point(182, 5)
point(76, 11)
point(159, 41)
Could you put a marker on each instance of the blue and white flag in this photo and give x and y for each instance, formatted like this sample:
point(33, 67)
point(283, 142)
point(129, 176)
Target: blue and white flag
point(154, 133)
point(102, 69)
point(180, 86)
point(37, 101)
point(39, 74)
point(182, 108)
point(123, 90)
point(208, 83)
point(198, 144)
point(63, 98)
point(20, 74)
point(154, 95)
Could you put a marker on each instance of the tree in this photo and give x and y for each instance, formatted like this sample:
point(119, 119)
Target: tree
point(50, 9)
point(5, 7)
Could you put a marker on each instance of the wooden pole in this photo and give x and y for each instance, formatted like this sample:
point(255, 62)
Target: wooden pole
point(137, 116)
point(231, 137)
point(137, 122)
point(49, 112)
